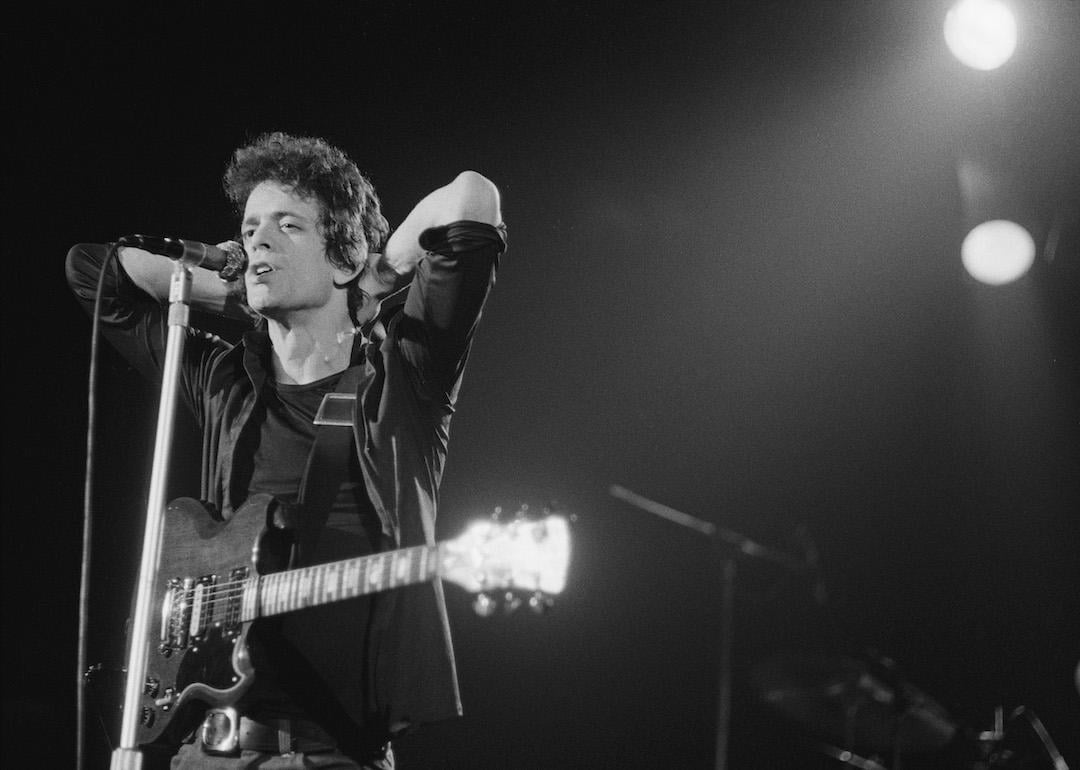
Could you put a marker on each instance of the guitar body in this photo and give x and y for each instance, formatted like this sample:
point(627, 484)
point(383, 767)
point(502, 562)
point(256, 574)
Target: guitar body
point(216, 578)
point(194, 663)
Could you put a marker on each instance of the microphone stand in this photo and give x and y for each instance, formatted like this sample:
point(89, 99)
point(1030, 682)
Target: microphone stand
point(126, 755)
point(742, 546)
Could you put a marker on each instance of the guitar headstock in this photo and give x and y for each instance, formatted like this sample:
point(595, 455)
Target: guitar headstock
point(519, 554)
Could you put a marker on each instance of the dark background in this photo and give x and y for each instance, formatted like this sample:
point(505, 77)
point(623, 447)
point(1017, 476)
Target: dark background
point(733, 287)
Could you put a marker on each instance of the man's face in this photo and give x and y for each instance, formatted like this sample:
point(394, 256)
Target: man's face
point(288, 274)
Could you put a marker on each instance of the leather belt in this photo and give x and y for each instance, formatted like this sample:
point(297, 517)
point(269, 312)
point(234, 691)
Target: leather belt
point(226, 732)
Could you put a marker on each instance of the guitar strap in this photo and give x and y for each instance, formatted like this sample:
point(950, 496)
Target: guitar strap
point(330, 451)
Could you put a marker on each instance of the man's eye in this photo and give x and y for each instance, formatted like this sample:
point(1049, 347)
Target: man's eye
point(246, 234)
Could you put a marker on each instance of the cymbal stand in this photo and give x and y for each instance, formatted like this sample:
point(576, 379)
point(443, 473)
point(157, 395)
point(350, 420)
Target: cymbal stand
point(742, 546)
point(126, 755)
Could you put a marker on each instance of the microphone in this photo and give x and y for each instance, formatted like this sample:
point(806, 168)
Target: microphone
point(192, 253)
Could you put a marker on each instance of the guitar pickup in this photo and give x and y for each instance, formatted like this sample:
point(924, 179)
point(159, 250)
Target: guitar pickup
point(202, 612)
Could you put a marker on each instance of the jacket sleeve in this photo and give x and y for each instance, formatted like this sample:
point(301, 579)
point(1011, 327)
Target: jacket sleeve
point(132, 321)
point(136, 324)
point(444, 303)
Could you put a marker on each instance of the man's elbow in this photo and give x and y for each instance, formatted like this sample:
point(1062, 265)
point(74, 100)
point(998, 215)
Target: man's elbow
point(81, 268)
point(477, 198)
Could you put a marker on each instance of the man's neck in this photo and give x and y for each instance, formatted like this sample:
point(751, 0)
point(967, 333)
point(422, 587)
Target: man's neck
point(306, 352)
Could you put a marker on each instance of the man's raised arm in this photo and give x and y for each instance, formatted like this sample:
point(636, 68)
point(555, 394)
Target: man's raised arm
point(153, 273)
point(471, 196)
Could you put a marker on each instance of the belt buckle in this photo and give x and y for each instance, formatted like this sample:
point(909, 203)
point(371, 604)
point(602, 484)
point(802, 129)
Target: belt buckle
point(220, 731)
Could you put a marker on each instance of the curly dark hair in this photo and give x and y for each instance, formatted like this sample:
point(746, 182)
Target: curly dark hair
point(352, 221)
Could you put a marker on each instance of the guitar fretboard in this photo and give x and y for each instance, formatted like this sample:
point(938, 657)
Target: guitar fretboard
point(281, 592)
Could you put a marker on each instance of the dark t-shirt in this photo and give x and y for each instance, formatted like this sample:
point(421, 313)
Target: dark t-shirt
point(304, 652)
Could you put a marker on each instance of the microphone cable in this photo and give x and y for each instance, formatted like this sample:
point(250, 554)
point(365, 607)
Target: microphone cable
point(88, 526)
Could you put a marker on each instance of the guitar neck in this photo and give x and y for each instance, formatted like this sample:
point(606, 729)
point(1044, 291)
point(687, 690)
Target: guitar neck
point(521, 555)
point(282, 592)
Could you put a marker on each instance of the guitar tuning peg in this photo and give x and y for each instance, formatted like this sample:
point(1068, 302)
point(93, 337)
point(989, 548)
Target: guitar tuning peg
point(522, 512)
point(484, 605)
point(497, 513)
point(510, 602)
point(539, 603)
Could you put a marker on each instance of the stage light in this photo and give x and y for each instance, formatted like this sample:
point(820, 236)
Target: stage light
point(981, 33)
point(997, 252)
point(1002, 215)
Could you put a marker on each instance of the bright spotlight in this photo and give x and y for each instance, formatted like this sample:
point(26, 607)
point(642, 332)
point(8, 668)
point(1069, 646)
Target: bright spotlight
point(981, 33)
point(997, 252)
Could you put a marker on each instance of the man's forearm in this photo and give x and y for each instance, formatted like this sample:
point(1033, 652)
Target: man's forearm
point(470, 196)
point(153, 274)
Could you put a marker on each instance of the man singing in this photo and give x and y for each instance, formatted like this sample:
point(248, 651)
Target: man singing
point(332, 685)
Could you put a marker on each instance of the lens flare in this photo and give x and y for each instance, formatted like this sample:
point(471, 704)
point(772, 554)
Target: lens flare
point(997, 252)
point(981, 33)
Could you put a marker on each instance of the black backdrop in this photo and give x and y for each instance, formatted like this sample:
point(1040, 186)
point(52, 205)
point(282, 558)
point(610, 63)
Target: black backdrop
point(733, 287)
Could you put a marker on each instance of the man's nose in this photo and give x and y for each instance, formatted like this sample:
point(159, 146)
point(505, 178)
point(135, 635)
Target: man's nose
point(260, 238)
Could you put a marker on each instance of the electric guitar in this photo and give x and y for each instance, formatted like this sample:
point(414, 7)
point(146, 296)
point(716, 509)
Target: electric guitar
point(211, 588)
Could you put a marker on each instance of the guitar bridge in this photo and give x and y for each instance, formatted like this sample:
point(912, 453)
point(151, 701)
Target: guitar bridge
point(175, 615)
